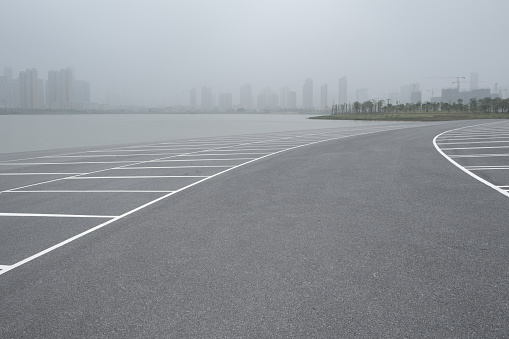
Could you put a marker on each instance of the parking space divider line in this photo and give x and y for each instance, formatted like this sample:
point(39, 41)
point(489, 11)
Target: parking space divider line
point(62, 243)
point(56, 215)
point(487, 183)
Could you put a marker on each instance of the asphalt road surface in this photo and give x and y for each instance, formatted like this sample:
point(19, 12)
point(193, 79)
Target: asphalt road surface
point(388, 231)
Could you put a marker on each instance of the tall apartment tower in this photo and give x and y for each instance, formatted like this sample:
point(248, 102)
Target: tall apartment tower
point(7, 89)
point(474, 81)
point(29, 89)
point(59, 89)
point(307, 94)
point(66, 90)
point(192, 98)
point(246, 97)
point(342, 95)
point(323, 97)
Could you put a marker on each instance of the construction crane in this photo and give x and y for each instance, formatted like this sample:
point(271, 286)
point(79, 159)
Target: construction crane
point(432, 91)
point(457, 82)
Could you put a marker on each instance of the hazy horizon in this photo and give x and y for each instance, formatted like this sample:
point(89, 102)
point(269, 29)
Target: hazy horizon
point(153, 52)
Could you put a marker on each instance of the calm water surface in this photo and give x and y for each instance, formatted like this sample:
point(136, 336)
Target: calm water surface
point(20, 133)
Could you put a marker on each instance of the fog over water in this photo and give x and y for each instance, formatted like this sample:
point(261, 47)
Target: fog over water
point(152, 52)
point(44, 132)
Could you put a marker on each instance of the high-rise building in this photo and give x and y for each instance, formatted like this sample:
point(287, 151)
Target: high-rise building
point(52, 90)
point(207, 101)
point(65, 87)
point(273, 101)
point(246, 97)
point(307, 94)
point(192, 98)
point(323, 97)
point(342, 95)
point(7, 89)
point(410, 94)
point(40, 93)
point(262, 101)
point(59, 89)
point(29, 89)
point(474, 81)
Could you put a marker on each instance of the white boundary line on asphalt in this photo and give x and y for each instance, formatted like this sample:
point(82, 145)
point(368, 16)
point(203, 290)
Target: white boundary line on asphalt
point(463, 148)
point(487, 183)
point(139, 177)
point(89, 191)
point(77, 236)
point(10, 174)
point(56, 215)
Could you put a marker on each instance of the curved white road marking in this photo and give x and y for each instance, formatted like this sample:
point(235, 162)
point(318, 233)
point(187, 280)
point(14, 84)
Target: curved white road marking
point(249, 160)
point(496, 188)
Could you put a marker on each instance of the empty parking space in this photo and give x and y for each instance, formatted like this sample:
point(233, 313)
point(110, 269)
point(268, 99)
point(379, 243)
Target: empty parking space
point(89, 189)
point(127, 183)
point(23, 236)
point(8, 182)
point(76, 202)
point(481, 150)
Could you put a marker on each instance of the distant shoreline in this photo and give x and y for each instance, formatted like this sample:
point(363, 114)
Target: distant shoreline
point(413, 116)
point(48, 112)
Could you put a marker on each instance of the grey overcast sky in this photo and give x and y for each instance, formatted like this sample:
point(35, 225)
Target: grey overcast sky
point(152, 52)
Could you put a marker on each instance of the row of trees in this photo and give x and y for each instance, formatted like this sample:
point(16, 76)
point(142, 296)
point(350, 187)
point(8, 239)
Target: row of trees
point(486, 105)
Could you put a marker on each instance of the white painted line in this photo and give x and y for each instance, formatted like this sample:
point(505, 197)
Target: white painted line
point(132, 150)
point(474, 138)
point(56, 215)
point(69, 163)
point(479, 155)
point(488, 168)
point(473, 142)
point(90, 191)
point(41, 253)
point(247, 149)
point(498, 189)
point(198, 159)
point(4, 267)
point(214, 154)
point(482, 147)
point(103, 155)
point(166, 167)
point(139, 177)
point(8, 174)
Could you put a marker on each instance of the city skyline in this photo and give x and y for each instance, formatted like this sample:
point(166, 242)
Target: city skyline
point(62, 91)
point(175, 46)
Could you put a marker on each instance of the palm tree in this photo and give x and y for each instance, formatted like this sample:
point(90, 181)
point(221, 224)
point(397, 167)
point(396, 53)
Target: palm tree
point(357, 107)
point(473, 105)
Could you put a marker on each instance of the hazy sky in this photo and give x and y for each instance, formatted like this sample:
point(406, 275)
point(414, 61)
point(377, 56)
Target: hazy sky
point(153, 51)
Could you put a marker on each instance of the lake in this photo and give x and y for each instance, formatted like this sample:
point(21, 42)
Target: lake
point(21, 133)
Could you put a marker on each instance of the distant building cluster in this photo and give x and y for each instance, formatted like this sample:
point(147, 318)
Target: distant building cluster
point(59, 92)
point(266, 99)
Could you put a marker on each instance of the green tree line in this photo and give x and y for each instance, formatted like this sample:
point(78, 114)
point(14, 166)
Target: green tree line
point(486, 105)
